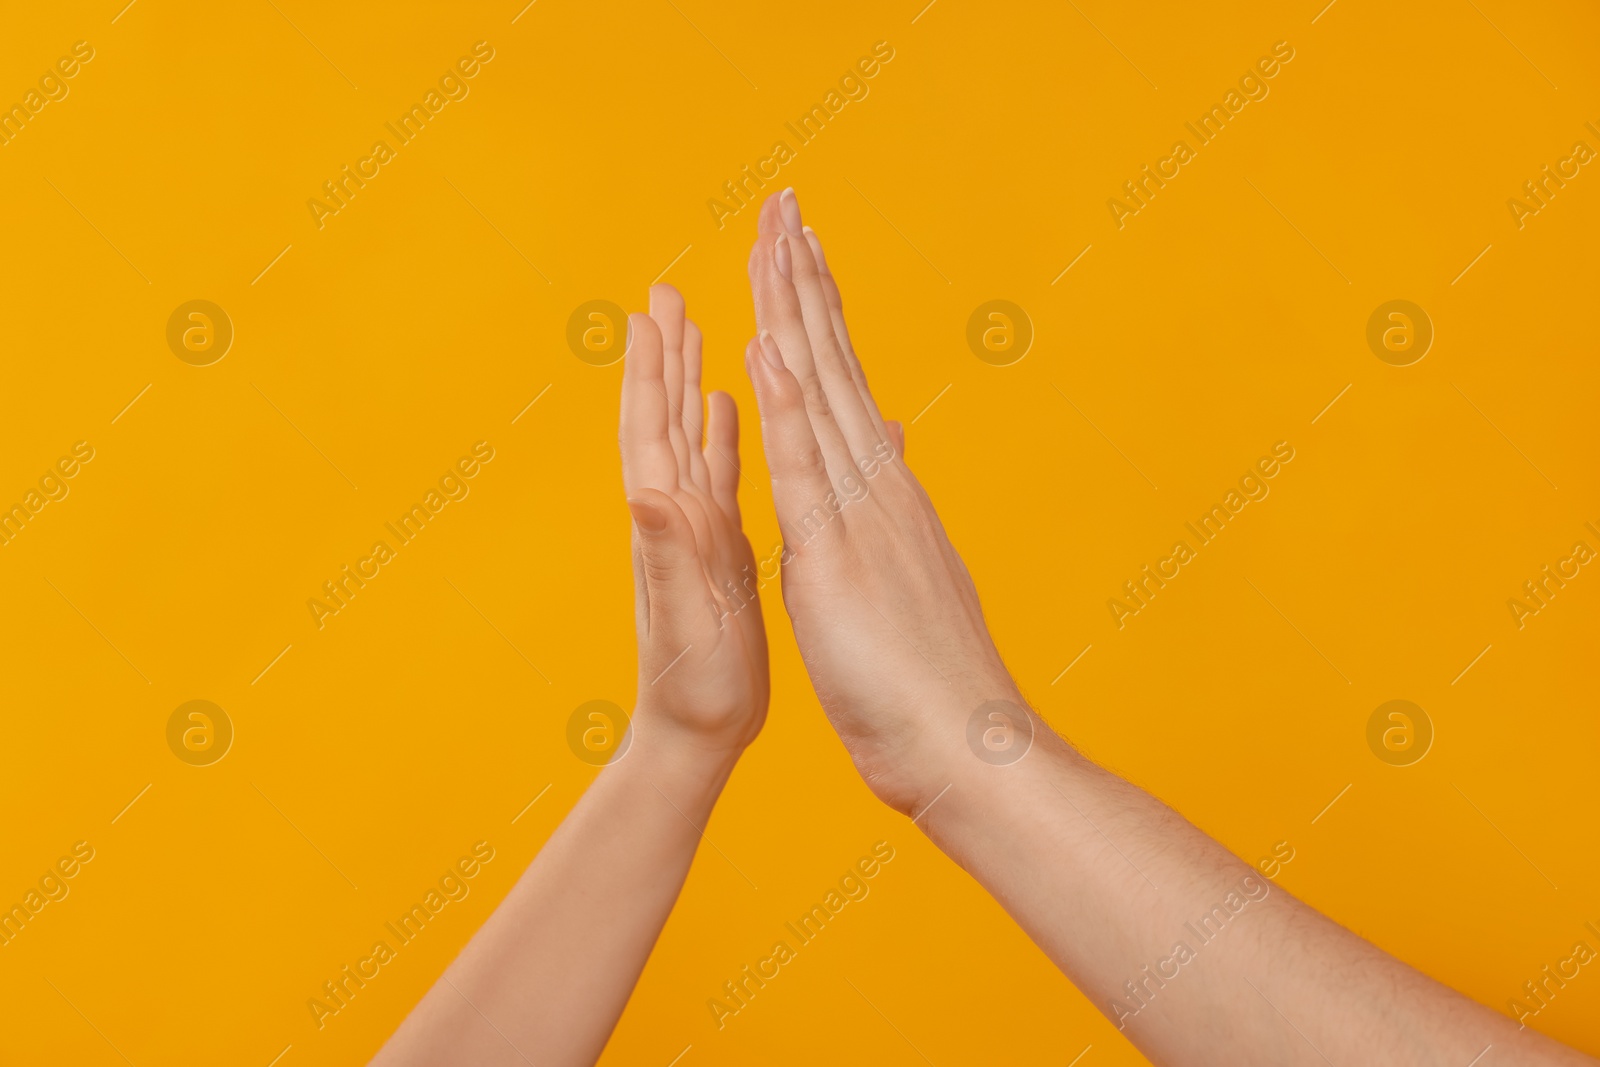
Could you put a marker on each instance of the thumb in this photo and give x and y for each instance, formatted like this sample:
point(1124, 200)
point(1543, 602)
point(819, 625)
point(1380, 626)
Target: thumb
point(897, 435)
point(668, 568)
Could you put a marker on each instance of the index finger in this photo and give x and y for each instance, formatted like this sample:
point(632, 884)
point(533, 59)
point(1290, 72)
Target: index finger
point(648, 460)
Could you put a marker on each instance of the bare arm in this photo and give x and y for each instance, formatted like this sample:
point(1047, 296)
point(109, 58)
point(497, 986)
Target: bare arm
point(1195, 957)
point(546, 978)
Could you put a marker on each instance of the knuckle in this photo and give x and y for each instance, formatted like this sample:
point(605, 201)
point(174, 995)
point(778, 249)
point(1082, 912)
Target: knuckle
point(806, 456)
point(815, 396)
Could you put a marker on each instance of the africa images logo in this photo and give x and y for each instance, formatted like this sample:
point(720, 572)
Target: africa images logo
point(452, 86)
point(1252, 87)
point(1252, 487)
point(453, 885)
point(453, 485)
point(853, 886)
point(852, 86)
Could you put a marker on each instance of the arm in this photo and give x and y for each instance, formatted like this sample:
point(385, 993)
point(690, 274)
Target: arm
point(547, 976)
point(1195, 957)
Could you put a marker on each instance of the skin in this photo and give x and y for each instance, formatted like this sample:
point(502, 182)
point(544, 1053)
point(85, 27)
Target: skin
point(1101, 875)
point(1106, 879)
point(546, 978)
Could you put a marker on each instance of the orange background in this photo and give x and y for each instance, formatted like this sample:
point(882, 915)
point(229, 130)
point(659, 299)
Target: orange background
point(428, 313)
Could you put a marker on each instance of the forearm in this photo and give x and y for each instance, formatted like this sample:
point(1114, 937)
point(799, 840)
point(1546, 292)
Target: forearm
point(548, 975)
point(1195, 955)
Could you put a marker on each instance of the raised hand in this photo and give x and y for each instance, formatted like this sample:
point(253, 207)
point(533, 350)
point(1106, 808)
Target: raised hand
point(702, 648)
point(549, 973)
point(1103, 877)
point(884, 611)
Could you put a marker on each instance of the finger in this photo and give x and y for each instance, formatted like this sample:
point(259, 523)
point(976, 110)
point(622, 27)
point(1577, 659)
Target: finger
point(693, 492)
point(897, 435)
point(861, 430)
point(777, 308)
point(830, 289)
point(767, 222)
point(778, 312)
point(675, 584)
point(722, 454)
point(647, 457)
point(666, 307)
point(693, 407)
point(800, 483)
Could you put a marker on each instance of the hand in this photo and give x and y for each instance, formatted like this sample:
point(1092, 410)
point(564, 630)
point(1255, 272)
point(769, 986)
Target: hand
point(886, 616)
point(702, 649)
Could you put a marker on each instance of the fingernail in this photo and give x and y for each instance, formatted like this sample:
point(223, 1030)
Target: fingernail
point(769, 348)
point(816, 250)
point(789, 210)
point(647, 516)
point(780, 255)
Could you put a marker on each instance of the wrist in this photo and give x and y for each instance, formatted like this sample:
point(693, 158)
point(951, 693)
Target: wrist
point(980, 753)
point(983, 794)
point(679, 759)
point(949, 741)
